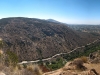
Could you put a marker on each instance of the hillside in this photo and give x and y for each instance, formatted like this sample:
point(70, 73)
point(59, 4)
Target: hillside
point(32, 38)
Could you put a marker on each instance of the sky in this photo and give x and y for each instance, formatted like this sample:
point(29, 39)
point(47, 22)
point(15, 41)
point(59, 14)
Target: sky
point(67, 11)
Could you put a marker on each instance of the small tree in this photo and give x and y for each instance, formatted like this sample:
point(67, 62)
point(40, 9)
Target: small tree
point(84, 59)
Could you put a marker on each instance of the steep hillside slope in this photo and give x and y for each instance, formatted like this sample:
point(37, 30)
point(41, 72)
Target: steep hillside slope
point(32, 38)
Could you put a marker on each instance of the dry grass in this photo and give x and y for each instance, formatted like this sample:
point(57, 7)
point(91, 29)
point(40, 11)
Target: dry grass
point(93, 66)
point(18, 69)
point(79, 64)
point(84, 59)
point(34, 69)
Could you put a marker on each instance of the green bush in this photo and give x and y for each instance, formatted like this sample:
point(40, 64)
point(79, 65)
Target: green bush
point(11, 58)
point(56, 64)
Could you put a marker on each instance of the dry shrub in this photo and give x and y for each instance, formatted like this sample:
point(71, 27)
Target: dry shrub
point(84, 59)
point(19, 67)
point(34, 69)
point(30, 70)
point(79, 64)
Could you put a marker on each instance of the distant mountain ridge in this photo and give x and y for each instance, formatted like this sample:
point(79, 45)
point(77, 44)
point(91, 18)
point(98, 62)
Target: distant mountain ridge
point(52, 20)
point(33, 39)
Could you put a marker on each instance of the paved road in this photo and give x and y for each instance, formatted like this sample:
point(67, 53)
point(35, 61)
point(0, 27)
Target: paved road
point(26, 62)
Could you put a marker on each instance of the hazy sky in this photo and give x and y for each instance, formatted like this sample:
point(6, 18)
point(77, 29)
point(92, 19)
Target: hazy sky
point(68, 11)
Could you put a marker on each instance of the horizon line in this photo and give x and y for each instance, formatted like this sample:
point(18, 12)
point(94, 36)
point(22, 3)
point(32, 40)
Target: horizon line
point(53, 19)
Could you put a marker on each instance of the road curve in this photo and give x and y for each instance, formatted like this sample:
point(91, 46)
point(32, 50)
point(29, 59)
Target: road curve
point(26, 62)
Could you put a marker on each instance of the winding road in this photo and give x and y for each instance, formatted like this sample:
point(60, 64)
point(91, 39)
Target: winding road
point(26, 62)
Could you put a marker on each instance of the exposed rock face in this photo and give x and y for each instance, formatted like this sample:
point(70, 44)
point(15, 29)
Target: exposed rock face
point(34, 39)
